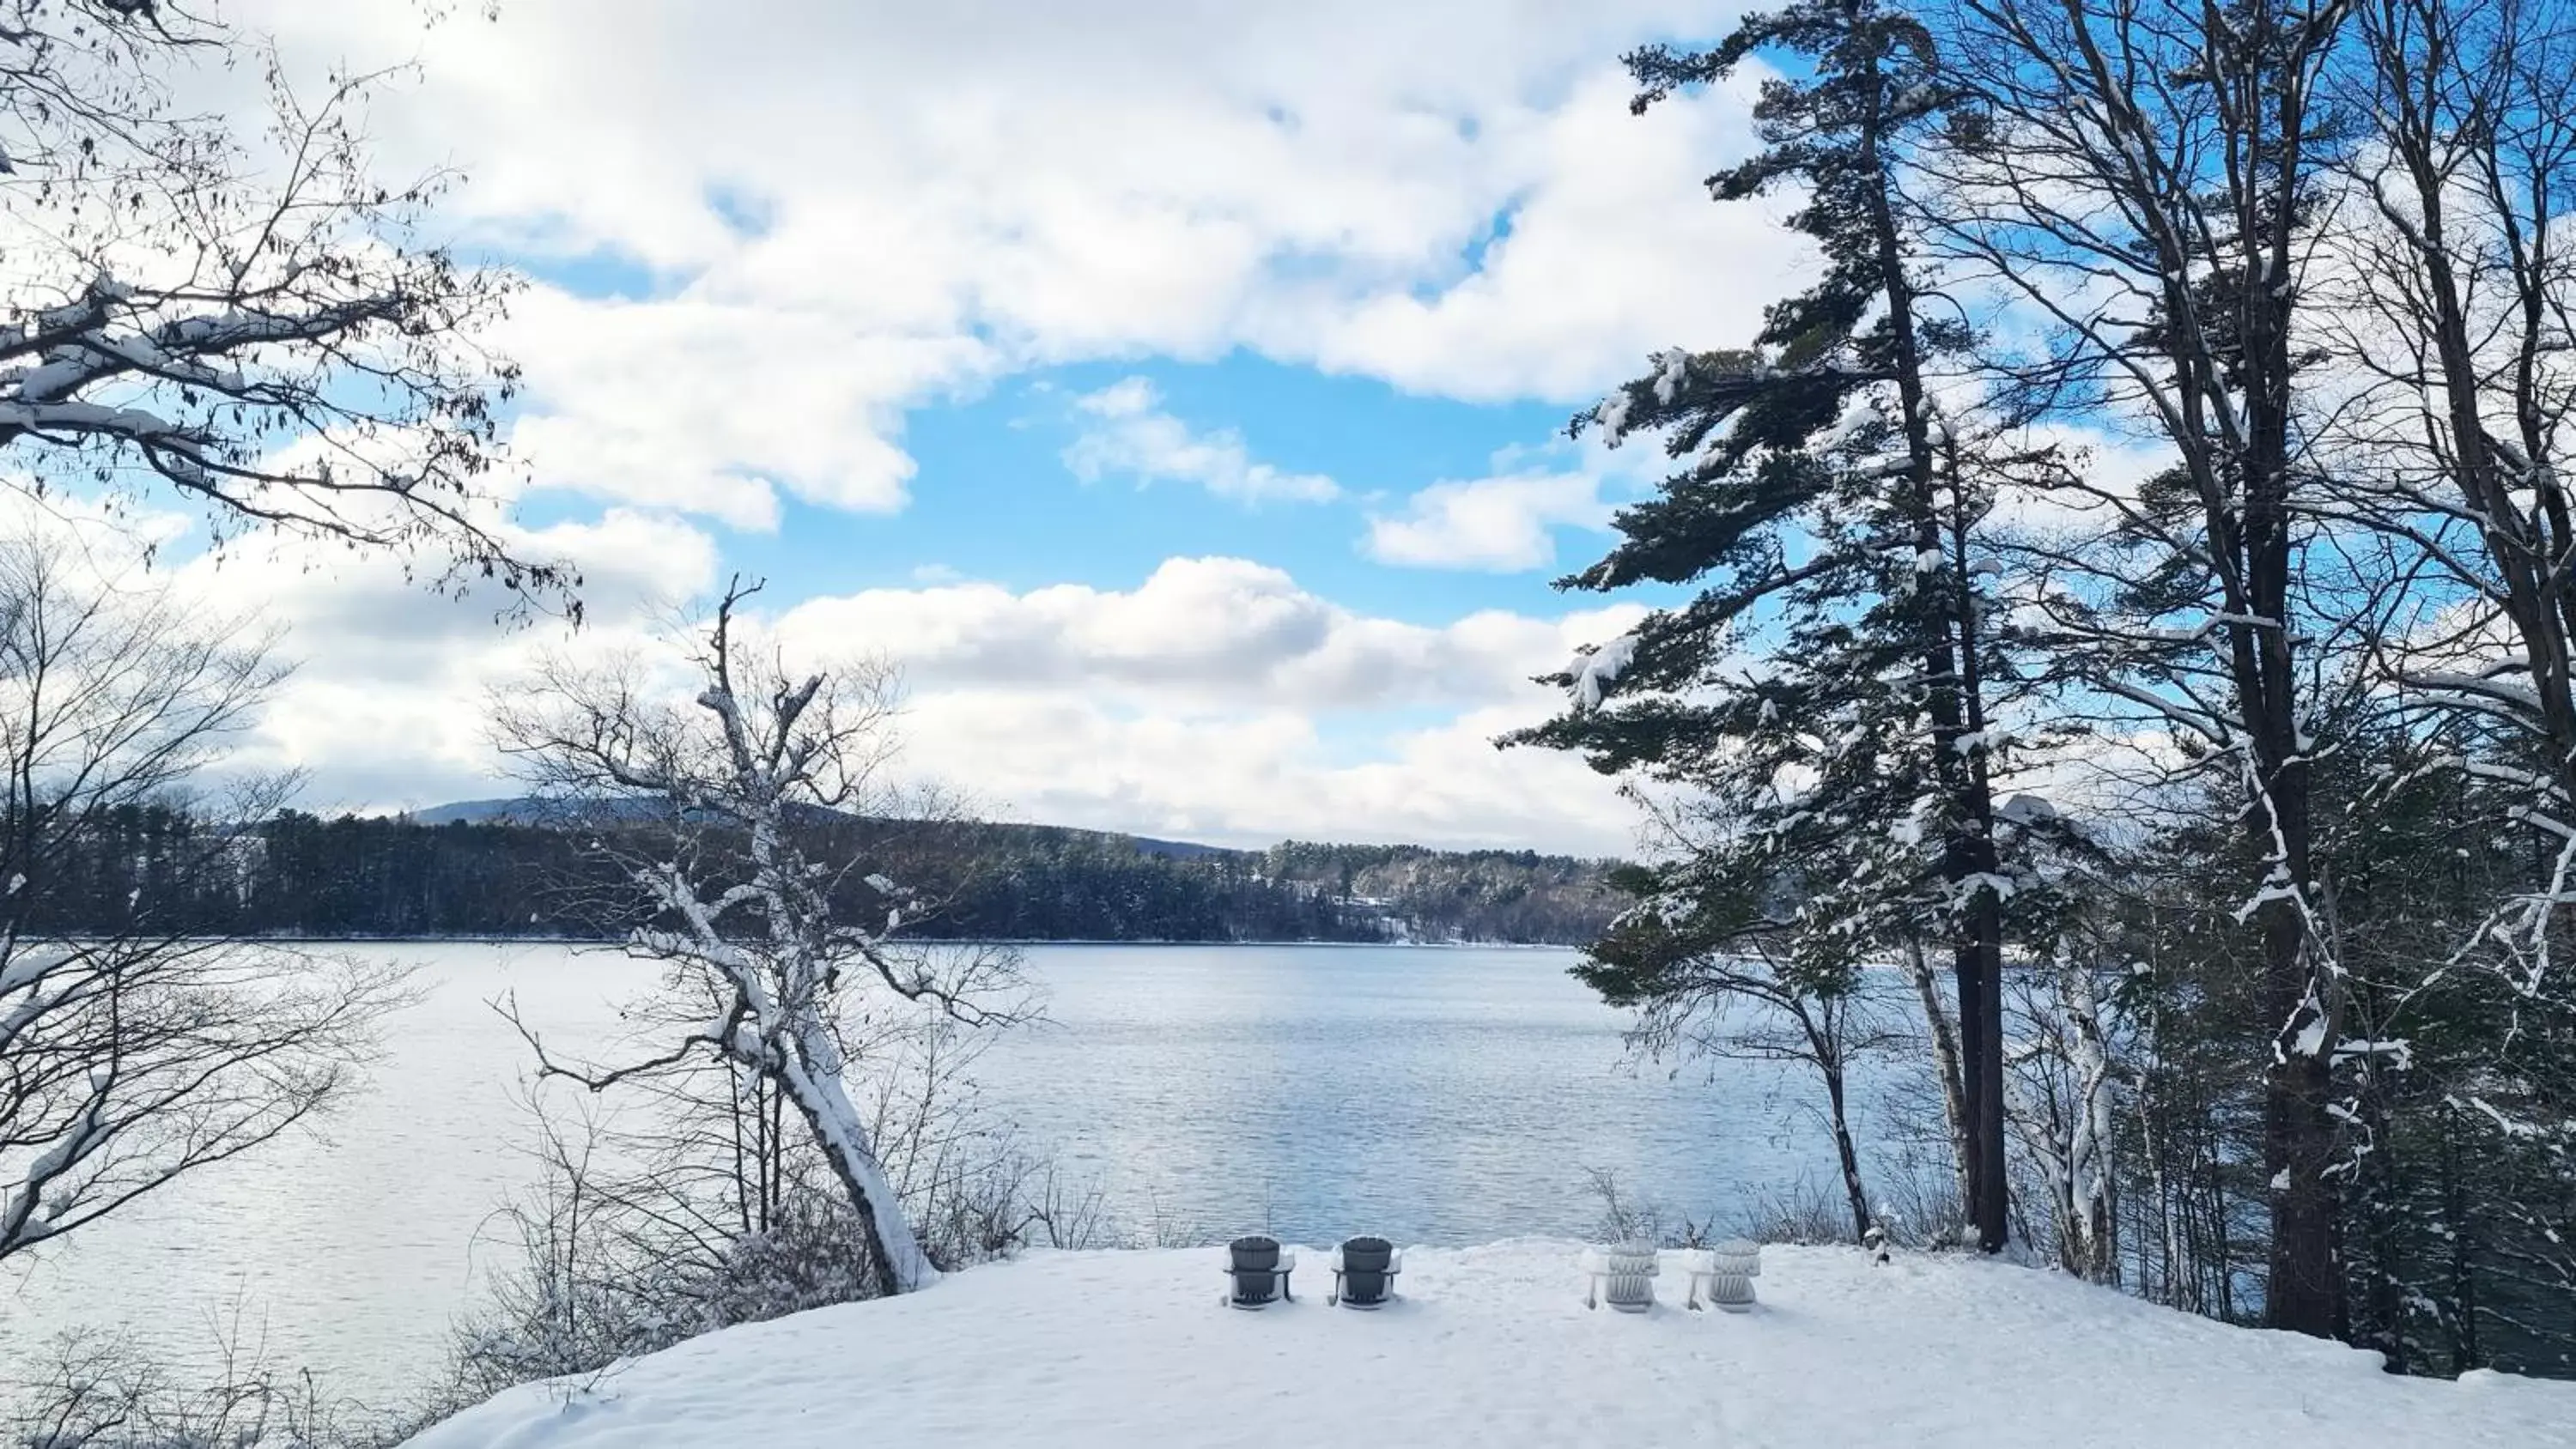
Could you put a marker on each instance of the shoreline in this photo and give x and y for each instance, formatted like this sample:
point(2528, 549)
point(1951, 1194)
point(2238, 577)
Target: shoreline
point(606, 944)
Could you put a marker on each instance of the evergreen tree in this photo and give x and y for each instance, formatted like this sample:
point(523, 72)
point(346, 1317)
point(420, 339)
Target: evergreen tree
point(1823, 501)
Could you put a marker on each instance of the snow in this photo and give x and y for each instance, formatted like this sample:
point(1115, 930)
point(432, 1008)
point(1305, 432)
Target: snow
point(1594, 672)
point(2025, 810)
point(1675, 370)
point(1491, 1347)
point(2311, 1038)
point(1613, 417)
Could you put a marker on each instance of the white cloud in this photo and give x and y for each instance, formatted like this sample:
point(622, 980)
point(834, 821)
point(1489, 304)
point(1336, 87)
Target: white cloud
point(1611, 253)
point(1504, 523)
point(1208, 702)
point(946, 193)
point(711, 407)
point(1126, 432)
point(1198, 634)
point(1216, 699)
point(817, 217)
point(387, 702)
point(1254, 779)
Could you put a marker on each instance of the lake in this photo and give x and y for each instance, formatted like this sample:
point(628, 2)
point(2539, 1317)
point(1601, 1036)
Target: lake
point(1429, 1094)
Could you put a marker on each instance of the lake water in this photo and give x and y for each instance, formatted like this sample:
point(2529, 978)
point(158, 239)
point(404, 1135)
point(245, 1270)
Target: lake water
point(1432, 1095)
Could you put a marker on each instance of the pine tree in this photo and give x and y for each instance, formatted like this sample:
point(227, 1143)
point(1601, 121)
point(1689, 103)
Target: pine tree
point(1828, 513)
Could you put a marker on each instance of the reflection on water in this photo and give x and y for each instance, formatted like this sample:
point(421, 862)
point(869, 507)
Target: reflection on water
point(1430, 1095)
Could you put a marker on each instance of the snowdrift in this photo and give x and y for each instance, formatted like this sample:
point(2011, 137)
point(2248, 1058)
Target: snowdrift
point(1492, 1347)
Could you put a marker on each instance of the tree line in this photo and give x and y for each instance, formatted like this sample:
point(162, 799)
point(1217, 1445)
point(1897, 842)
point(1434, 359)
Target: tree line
point(297, 874)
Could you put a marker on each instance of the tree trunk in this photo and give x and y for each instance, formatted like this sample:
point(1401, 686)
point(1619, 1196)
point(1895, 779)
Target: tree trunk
point(2305, 1285)
point(1986, 1129)
point(893, 1251)
point(1948, 649)
point(1845, 1153)
point(2465, 1353)
point(1945, 1067)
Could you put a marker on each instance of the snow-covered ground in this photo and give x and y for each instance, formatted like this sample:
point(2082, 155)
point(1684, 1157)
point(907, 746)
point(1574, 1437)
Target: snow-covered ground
point(1492, 1347)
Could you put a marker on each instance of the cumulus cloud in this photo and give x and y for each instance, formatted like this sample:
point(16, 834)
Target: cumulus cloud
point(712, 408)
point(1197, 634)
point(1126, 432)
point(1208, 701)
point(771, 233)
point(386, 706)
point(1256, 778)
point(1214, 699)
point(1603, 258)
point(1502, 523)
point(819, 215)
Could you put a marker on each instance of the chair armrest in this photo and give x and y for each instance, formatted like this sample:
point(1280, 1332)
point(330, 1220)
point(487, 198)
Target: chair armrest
point(1337, 1260)
point(1287, 1260)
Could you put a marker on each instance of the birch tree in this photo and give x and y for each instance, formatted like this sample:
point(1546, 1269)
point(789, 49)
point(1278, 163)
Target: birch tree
point(703, 806)
point(2063, 1093)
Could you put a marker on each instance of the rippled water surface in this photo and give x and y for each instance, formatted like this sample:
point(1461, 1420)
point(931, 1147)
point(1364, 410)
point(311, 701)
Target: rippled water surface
point(1429, 1094)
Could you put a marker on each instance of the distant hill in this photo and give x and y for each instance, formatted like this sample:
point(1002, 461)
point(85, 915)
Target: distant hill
point(477, 812)
point(507, 867)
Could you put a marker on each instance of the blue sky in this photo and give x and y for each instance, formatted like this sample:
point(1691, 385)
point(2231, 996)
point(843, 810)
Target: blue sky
point(1177, 401)
point(995, 499)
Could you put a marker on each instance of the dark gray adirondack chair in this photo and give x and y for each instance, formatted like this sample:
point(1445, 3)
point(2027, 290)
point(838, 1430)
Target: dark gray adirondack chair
point(1364, 1272)
point(1256, 1273)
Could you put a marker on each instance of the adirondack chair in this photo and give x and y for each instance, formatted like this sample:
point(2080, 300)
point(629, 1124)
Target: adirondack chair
point(1724, 1275)
point(1622, 1275)
point(1364, 1272)
point(1256, 1273)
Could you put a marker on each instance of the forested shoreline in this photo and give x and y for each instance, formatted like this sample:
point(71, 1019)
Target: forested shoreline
point(301, 875)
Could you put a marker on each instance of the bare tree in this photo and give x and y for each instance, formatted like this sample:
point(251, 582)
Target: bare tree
point(2455, 316)
point(706, 808)
point(248, 317)
point(2147, 177)
point(132, 1050)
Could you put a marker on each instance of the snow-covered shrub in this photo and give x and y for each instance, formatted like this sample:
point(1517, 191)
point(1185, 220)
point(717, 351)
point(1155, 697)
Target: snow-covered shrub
point(697, 1212)
point(1626, 1219)
point(1800, 1213)
point(92, 1390)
